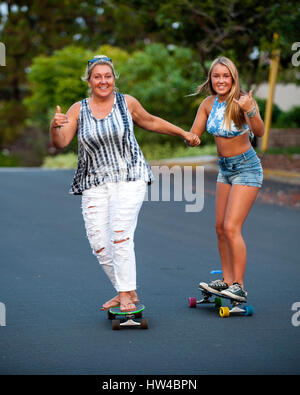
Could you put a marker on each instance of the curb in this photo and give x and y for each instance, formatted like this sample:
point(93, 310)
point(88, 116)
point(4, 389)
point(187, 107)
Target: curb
point(211, 165)
point(208, 162)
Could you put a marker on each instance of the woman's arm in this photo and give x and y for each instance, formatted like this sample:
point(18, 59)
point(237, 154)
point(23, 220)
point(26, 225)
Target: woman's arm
point(252, 115)
point(156, 124)
point(255, 122)
point(64, 126)
point(199, 124)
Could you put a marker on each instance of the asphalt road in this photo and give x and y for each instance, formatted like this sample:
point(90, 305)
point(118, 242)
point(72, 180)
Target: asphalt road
point(52, 286)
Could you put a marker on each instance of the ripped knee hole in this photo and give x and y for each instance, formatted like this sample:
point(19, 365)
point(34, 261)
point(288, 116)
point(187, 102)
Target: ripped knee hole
point(120, 241)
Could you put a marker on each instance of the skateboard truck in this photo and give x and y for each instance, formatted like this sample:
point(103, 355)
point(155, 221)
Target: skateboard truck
point(224, 311)
point(127, 319)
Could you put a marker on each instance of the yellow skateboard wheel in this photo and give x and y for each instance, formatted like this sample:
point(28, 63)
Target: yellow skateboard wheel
point(224, 312)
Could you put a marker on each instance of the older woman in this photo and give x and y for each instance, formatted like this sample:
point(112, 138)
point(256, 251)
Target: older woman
point(112, 172)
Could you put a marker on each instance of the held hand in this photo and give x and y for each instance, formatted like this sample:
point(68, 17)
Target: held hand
point(192, 139)
point(245, 102)
point(59, 119)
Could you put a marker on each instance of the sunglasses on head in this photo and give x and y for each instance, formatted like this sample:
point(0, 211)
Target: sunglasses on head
point(97, 60)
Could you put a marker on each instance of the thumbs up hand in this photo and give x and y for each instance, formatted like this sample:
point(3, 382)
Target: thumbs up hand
point(59, 119)
point(245, 102)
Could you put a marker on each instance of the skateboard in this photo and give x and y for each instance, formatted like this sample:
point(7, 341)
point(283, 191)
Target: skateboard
point(237, 308)
point(127, 318)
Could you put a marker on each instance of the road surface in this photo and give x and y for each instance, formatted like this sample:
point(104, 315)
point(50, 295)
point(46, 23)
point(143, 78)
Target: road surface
point(52, 286)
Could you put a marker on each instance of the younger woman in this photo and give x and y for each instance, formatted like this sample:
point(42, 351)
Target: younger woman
point(231, 116)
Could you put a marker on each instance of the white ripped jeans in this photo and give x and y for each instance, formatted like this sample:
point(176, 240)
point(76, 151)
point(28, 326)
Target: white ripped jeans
point(110, 213)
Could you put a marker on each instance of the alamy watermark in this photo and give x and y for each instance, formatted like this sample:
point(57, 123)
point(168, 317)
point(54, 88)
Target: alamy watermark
point(2, 314)
point(188, 186)
point(296, 315)
point(296, 56)
point(2, 54)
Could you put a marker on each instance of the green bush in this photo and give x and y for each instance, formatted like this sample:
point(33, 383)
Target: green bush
point(8, 160)
point(61, 161)
point(55, 80)
point(12, 113)
point(276, 113)
point(158, 77)
point(289, 119)
point(151, 152)
point(167, 151)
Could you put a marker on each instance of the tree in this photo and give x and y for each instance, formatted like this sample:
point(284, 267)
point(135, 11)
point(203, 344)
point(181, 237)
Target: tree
point(241, 30)
point(160, 78)
point(30, 28)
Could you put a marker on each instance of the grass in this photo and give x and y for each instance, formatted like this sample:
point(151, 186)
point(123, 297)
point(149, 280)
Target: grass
point(157, 151)
point(60, 161)
point(281, 151)
point(166, 151)
point(151, 152)
point(8, 160)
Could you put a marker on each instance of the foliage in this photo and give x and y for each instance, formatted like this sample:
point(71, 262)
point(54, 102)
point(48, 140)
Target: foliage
point(159, 78)
point(151, 152)
point(289, 119)
point(262, 103)
point(8, 160)
point(281, 119)
point(287, 151)
point(61, 161)
point(55, 80)
point(242, 31)
point(168, 151)
point(11, 113)
point(28, 29)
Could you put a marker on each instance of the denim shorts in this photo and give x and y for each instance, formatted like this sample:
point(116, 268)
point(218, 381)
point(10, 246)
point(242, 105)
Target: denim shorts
point(243, 169)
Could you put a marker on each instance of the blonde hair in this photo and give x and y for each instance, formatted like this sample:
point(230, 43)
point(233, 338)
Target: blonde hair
point(233, 111)
point(101, 59)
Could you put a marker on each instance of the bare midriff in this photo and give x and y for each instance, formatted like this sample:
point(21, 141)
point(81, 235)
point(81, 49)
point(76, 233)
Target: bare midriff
point(232, 146)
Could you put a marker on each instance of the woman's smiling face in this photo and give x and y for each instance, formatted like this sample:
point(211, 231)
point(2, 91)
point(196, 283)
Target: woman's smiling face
point(102, 80)
point(221, 79)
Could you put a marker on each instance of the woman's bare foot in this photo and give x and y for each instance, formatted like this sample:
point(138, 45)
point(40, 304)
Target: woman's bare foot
point(134, 297)
point(115, 301)
point(126, 303)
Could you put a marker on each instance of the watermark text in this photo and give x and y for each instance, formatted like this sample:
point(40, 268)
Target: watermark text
point(2, 314)
point(296, 56)
point(178, 184)
point(2, 54)
point(296, 315)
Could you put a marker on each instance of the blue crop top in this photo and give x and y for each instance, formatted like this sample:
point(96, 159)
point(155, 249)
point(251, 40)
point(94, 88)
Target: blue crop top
point(215, 122)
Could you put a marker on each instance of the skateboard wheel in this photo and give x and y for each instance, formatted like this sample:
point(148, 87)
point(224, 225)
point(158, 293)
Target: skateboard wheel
point(249, 310)
point(224, 312)
point(144, 324)
point(115, 324)
point(192, 302)
point(110, 315)
point(218, 302)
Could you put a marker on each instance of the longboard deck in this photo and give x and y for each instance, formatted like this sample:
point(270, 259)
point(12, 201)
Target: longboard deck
point(220, 295)
point(116, 310)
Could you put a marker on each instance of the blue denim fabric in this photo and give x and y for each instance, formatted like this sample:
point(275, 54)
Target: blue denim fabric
point(243, 169)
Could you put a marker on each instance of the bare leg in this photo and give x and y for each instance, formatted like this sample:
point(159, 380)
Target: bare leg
point(239, 203)
point(222, 194)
